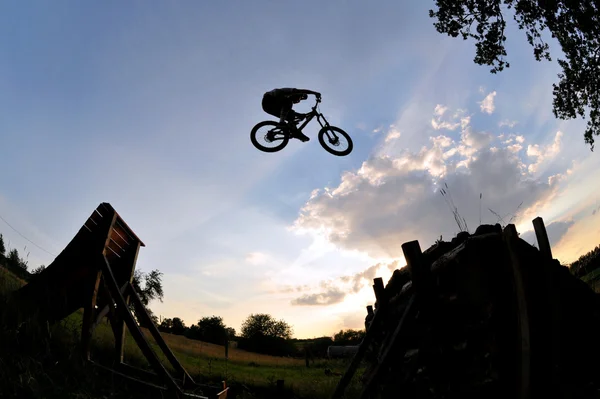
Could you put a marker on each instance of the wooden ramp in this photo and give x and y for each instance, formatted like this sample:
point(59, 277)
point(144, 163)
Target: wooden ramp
point(95, 272)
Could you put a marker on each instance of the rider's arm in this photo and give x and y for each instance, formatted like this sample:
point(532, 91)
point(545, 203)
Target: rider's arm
point(306, 91)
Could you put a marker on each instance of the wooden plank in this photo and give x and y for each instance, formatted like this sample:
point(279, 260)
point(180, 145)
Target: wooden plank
point(121, 222)
point(134, 329)
point(510, 238)
point(542, 238)
point(146, 320)
point(120, 236)
point(128, 377)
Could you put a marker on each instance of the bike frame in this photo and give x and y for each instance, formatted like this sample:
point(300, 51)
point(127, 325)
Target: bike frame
point(311, 115)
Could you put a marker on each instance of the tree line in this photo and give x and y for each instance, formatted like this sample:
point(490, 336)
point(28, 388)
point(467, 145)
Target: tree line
point(260, 333)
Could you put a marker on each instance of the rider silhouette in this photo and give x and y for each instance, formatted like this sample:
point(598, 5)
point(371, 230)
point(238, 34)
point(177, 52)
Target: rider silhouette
point(279, 102)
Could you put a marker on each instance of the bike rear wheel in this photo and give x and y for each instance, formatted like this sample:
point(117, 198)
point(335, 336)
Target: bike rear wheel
point(268, 136)
point(332, 139)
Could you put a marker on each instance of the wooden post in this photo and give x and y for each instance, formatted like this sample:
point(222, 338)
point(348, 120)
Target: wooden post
point(89, 311)
point(542, 238)
point(510, 238)
point(306, 358)
point(129, 263)
point(420, 273)
point(552, 294)
point(379, 291)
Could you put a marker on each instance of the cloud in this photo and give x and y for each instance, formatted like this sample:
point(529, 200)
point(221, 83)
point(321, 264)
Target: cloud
point(392, 134)
point(395, 198)
point(543, 154)
point(507, 123)
point(334, 290)
point(487, 105)
point(555, 230)
point(596, 210)
point(453, 122)
point(257, 258)
point(331, 296)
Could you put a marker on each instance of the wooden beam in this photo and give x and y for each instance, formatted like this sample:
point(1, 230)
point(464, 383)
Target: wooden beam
point(145, 318)
point(89, 310)
point(127, 266)
point(136, 333)
point(110, 308)
point(542, 238)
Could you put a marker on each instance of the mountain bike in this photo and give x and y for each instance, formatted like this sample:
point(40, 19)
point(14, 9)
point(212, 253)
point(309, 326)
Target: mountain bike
point(276, 135)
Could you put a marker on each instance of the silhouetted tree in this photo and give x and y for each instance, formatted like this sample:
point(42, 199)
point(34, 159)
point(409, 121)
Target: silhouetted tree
point(38, 269)
point(2, 248)
point(265, 324)
point(230, 332)
point(14, 260)
point(349, 337)
point(166, 325)
point(148, 287)
point(178, 326)
point(263, 334)
point(575, 25)
point(211, 329)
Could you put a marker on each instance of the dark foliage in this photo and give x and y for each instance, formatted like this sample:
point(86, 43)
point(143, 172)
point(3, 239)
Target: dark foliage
point(574, 24)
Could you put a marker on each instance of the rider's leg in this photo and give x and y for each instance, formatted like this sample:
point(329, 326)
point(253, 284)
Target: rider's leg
point(290, 116)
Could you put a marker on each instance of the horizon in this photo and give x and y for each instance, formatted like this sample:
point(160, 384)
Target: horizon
point(153, 116)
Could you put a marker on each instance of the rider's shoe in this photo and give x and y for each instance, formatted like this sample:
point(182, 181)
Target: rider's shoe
point(301, 136)
point(297, 134)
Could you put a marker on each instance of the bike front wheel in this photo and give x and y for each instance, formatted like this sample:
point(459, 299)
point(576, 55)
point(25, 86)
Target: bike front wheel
point(268, 136)
point(335, 141)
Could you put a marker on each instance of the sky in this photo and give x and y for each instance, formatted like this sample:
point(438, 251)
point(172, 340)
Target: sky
point(150, 107)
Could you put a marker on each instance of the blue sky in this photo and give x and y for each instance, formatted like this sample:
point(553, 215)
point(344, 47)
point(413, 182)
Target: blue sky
point(150, 108)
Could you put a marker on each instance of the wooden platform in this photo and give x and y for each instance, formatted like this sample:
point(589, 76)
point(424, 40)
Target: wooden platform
point(94, 273)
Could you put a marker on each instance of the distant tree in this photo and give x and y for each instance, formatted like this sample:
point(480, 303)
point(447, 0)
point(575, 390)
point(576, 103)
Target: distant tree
point(38, 269)
point(230, 332)
point(15, 260)
point(148, 286)
point(586, 263)
point(211, 329)
point(348, 337)
point(178, 326)
point(263, 334)
point(166, 325)
point(265, 324)
point(2, 248)
point(575, 25)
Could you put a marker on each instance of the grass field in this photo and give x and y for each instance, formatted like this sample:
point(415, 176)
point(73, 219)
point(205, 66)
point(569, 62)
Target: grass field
point(250, 375)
